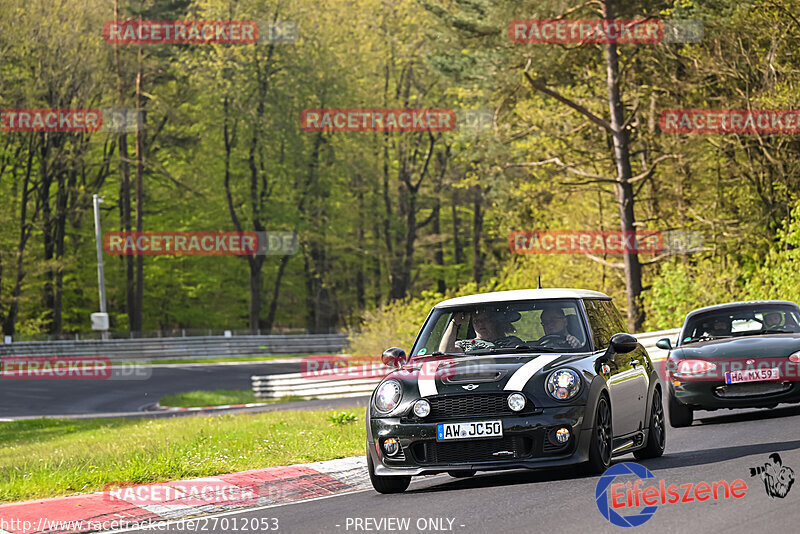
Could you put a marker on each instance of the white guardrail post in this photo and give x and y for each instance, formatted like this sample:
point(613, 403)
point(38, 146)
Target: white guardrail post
point(335, 383)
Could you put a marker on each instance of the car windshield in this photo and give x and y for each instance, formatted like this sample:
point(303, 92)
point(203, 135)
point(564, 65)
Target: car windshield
point(750, 320)
point(504, 327)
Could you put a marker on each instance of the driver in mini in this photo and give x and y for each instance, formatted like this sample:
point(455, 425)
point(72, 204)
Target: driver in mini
point(554, 323)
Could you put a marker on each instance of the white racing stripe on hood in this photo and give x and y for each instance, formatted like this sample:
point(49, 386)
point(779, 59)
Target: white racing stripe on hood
point(524, 373)
point(426, 379)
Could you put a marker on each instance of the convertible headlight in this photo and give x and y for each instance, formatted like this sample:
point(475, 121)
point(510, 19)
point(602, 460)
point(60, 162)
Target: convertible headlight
point(795, 357)
point(388, 396)
point(563, 384)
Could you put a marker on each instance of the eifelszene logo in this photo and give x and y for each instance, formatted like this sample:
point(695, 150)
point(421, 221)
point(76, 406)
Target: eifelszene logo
point(778, 478)
point(632, 495)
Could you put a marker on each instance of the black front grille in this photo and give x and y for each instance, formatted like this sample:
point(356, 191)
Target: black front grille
point(468, 405)
point(478, 450)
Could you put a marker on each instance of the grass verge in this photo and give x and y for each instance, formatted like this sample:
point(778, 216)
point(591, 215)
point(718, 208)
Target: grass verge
point(220, 397)
point(56, 457)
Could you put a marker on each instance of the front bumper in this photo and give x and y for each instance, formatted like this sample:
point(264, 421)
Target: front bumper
point(714, 394)
point(525, 437)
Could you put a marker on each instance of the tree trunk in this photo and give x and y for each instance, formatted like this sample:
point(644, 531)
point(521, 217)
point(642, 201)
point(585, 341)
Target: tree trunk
point(458, 253)
point(140, 148)
point(624, 189)
point(477, 227)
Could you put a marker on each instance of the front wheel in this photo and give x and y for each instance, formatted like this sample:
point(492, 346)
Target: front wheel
point(657, 431)
point(602, 438)
point(383, 484)
point(680, 415)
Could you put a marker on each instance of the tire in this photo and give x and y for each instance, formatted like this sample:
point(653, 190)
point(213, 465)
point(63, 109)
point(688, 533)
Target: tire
point(680, 415)
point(462, 473)
point(657, 431)
point(386, 485)
point(602, 441)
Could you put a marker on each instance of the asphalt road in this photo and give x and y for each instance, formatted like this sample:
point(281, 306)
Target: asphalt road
point(721, 445)
point(65, 397)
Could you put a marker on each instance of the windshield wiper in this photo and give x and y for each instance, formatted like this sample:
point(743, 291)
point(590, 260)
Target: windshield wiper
point(511, 350)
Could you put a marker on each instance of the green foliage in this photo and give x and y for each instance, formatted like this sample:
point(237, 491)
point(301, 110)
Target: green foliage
point(342, 418)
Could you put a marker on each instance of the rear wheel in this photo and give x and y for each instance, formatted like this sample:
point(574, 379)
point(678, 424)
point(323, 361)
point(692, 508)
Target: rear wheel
point(657, 431)
point(383, 484)
point(462, 473)
point(602, 437)
point(680, 415)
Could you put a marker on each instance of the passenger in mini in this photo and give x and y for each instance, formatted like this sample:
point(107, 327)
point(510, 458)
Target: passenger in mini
point(491, 330)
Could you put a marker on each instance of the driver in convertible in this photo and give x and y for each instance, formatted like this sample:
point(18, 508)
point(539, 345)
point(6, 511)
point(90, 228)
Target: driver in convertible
point(491, 330)
point(554, 323)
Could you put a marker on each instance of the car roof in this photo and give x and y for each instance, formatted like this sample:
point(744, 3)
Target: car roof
point(719, 307)
point(523, 294)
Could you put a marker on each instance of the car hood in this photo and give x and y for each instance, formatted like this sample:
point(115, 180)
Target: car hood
point(768, 346)
point(481, 374)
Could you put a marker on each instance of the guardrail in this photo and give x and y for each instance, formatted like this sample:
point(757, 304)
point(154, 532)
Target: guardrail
point(322, 387)
point(180, 347)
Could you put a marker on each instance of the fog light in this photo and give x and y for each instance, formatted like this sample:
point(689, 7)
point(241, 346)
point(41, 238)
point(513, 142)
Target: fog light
point(516, 401)
point(562, 435)
point(391, 446)
point(422, 408)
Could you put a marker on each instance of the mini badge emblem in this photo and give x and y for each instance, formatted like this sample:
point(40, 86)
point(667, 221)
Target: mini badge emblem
point(750, 362)
point(470, 387)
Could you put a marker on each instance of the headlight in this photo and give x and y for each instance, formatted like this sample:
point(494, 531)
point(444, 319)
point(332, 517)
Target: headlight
point(795, 357)
point(563, 384)
point(388, 396)
point(516, 401)
point(422, 408)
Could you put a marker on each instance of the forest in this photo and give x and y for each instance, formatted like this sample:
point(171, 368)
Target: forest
point(563, 136)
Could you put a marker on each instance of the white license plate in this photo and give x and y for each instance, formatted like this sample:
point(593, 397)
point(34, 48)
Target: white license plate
point(473, 429)
point(752, 375)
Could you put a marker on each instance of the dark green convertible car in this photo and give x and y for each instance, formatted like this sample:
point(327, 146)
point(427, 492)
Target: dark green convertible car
point(737, 355)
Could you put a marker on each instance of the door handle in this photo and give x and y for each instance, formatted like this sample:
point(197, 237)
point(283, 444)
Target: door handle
point(634, 362)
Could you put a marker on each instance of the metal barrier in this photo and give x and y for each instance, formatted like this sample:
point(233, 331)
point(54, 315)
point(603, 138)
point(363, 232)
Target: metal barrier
point(181, 347)
point(321, 387)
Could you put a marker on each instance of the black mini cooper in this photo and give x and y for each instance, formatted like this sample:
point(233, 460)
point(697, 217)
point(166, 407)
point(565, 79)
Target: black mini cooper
point(514, 379)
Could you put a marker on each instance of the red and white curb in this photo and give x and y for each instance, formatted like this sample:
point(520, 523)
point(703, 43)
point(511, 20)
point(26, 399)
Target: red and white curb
point(110, 510)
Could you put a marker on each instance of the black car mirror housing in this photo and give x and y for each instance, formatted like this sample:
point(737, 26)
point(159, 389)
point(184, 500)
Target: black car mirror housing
point(623, 343)
point(394, 357)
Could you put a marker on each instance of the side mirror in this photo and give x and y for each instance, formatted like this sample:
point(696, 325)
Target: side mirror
point(664, 343)
point(394, 357)
point(623, 343)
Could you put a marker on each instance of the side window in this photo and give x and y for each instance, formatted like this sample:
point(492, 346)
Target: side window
point(615, 318)
point(601, 323)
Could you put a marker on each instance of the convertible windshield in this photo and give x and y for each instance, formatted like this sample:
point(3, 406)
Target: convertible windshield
point(504, 327)
point(742, 321)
